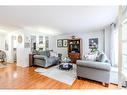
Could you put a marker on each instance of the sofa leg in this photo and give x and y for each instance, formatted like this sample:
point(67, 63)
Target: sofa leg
point(106, 84)
point(78, 77)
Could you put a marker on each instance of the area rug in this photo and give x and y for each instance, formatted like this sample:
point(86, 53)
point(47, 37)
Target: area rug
point(67, 77)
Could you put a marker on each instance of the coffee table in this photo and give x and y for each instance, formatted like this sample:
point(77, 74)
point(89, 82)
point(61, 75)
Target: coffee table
point(66, 66)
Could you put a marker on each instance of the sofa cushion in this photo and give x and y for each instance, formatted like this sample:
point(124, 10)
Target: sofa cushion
point(40, 57)
point(94, 65)
point(45, 53)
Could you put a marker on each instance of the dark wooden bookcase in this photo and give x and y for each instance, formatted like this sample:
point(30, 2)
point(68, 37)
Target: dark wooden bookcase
point(74, 49)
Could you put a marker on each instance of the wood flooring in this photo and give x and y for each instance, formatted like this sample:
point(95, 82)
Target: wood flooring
point(14, 77)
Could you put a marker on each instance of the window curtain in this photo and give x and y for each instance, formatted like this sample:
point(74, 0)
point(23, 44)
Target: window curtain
point(114, 45)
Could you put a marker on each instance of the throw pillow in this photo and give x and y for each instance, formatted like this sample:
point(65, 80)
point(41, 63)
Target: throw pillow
point(105, 58)
point(102, 58)
point(91, 57)
point(53, 54)
point(99, 57)
point(47, 53)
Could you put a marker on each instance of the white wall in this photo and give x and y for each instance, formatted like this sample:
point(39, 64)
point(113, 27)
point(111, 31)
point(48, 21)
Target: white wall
point(85, 40)
point(9, 52)
point(2, 41)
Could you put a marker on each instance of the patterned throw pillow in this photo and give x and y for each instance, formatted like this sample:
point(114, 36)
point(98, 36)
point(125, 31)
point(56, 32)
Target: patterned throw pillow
point(99, 57)
point(105, 59)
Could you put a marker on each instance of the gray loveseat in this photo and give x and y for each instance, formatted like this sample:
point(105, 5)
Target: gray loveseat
point(44, 59)
point(98, 71)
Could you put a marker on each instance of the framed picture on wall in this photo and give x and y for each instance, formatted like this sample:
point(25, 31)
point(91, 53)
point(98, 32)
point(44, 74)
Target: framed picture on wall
point(20, 39)
point(93, 43)
point(59, 43)
point(27, 42)
point(65, 42)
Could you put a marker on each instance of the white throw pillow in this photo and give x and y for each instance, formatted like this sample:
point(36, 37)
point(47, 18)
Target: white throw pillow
point(91, 57)
point(53, 54)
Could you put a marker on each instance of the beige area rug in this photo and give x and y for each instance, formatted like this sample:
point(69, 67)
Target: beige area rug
point(67, 77)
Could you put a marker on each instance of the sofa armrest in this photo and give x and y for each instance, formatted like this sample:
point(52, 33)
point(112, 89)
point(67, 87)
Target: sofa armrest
point(94, 65)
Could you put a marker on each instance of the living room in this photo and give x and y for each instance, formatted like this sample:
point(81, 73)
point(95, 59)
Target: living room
point(74, 39)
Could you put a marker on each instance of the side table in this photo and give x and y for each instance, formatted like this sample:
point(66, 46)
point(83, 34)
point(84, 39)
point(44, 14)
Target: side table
point(31, 60)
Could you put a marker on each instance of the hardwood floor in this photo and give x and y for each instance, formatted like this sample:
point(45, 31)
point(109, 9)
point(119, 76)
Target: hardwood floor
point(14, 77)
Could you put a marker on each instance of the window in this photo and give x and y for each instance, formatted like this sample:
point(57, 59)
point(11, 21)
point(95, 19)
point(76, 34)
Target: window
point(124, 44)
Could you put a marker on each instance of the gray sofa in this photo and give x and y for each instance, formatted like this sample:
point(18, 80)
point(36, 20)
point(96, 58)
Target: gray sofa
point(98, 71)
point(44, 59)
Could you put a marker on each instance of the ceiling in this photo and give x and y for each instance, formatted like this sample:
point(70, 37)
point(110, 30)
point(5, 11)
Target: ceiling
point(65, 19)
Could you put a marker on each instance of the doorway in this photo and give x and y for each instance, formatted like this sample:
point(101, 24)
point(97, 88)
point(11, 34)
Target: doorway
point(14, 49)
